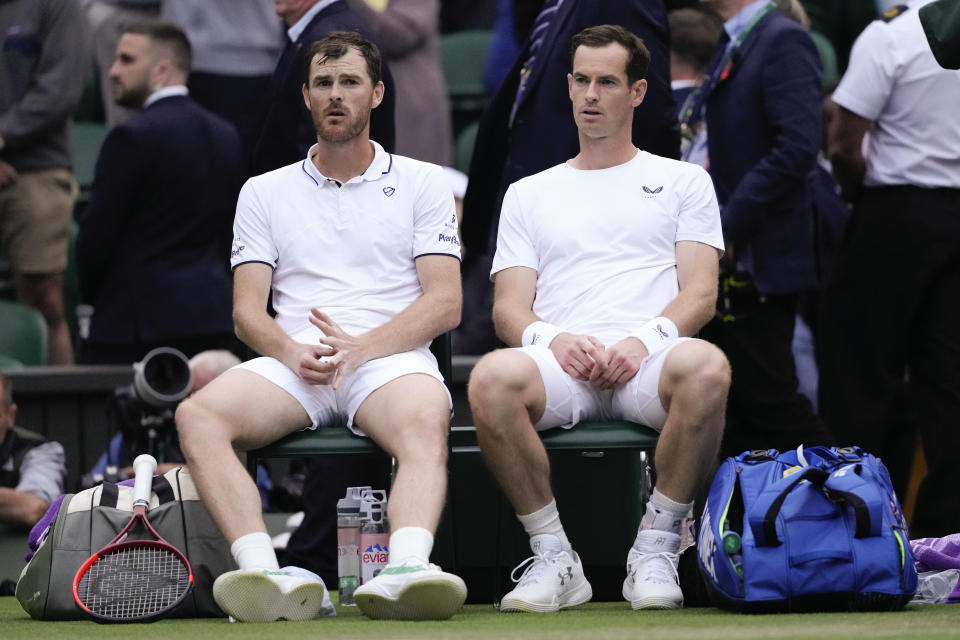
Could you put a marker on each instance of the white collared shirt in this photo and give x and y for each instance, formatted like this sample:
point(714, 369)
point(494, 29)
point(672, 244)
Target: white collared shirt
point(294, 32)
point(738, 22)
point(165, 92)
point(894, 80)
point(347, 248)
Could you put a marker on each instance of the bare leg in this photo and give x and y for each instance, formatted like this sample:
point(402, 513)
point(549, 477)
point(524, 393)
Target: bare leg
point(44, 291)
point(410, 419)
point(242, 410)
point(693, 387)
point(506, 397)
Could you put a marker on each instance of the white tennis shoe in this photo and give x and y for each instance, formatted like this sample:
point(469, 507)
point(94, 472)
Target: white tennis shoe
point(652, 580)
point(411, 590)
point(265, 595)
point(553, 579)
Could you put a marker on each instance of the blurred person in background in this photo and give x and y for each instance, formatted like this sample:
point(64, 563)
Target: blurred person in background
point(235, 47)
point(153, 241)
point(409, 36)
point(892, 308)
point(32, 469)
point(43, 69)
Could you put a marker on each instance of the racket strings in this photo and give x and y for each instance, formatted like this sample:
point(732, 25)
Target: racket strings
point(134, 582)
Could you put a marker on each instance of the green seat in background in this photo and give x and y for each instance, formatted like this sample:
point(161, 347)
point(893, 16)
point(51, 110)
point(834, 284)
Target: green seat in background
point(7, 363)
point(828, 58)
point(23, 335)
point(86, 140)
point(463, 55)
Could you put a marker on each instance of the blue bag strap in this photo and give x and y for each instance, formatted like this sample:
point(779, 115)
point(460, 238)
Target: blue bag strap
point(854, 485)
point(763, 514)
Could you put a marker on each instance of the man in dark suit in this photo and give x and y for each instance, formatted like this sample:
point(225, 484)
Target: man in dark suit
point(288, 130)
point(528, 128)
point(152, 247)
point(762, 100)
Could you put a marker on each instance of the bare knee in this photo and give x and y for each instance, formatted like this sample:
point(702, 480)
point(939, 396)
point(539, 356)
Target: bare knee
point(499, 377)
point(425, 441)
point(197, 426)
point(700, 371)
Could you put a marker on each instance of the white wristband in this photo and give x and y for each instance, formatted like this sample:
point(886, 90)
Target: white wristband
point(539, 333)
point(657, 334)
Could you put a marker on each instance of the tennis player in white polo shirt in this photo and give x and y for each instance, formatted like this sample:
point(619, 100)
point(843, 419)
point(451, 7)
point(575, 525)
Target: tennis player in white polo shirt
point(603, 265)
point(360, 250)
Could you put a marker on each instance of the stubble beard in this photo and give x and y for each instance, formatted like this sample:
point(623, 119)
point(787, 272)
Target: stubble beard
point(341, 134)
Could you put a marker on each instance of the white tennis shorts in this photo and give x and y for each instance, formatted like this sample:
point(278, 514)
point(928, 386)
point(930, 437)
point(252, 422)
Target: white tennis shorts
point(570, 400)
point(326, 406)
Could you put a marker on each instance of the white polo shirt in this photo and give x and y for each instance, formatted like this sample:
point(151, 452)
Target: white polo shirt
point(894, 80)
point(603, 241)
point(347, 249)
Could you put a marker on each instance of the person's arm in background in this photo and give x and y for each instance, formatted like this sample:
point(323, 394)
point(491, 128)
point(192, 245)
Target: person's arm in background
point(41, 481)
point(845, 147)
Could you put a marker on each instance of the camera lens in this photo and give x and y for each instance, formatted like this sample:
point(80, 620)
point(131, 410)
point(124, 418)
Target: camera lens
point(163, 377)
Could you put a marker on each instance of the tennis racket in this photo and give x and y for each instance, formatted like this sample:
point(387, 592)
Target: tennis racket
point(134, 580)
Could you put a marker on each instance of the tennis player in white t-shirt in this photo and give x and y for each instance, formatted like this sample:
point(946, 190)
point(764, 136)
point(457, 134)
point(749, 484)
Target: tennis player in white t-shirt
point(603, 265)
point(360, 251)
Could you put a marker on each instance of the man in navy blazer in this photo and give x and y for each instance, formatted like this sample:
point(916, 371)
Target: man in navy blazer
point(763, 97)
point(288, 129)
point(517, 141)
point(152, 246)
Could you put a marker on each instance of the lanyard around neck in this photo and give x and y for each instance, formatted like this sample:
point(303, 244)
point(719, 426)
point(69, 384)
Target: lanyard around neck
point(693, 106)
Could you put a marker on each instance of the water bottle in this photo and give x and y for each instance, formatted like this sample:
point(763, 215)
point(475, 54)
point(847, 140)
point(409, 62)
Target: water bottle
point(348, 544)
point(934, 587)
point(374, 535)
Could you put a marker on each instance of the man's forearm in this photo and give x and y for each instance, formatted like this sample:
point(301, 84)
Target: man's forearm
point(21, 509)
point(429, 316)
point(260, 332)
point(848, 169)
point(692, 309)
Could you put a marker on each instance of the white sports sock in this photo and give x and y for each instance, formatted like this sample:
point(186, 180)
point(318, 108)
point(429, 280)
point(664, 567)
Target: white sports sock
point(254, 551)
point(664, 514)
point(545, 520)
point(410, 542)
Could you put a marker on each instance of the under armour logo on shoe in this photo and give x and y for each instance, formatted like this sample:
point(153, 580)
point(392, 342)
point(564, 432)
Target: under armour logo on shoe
point(564, 576)
point(388, 191)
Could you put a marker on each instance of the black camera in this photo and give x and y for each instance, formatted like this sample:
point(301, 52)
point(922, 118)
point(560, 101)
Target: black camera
point(144, 409)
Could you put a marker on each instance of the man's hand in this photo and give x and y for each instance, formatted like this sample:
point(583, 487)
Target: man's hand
point(8, 175)
point(312, 363)
point(578, 355)
point(350, 351)
point(622, 363)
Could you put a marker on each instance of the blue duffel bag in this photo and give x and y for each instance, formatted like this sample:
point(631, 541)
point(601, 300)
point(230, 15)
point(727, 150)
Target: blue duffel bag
point(816, 529)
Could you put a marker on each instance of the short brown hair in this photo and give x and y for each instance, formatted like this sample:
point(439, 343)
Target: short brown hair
point(693, 36)
point(336, 44)
point(168, 35)
point(638, 56)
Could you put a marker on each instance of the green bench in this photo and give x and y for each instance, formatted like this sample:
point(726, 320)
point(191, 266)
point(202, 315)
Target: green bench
point(601, 478)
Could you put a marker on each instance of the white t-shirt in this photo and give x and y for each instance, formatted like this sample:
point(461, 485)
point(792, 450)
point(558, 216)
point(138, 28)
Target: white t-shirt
point(894, 80)
point(348, 250)
point(603, 241)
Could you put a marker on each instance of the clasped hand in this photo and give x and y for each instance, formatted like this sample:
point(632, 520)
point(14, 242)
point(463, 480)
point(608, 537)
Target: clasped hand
point(337, 353)
point(589, 360)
